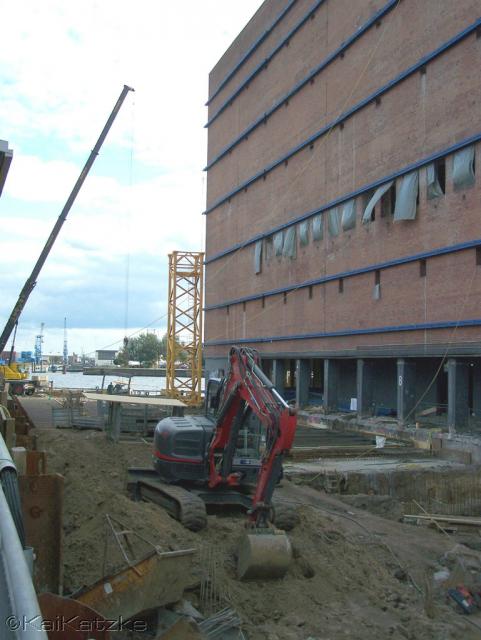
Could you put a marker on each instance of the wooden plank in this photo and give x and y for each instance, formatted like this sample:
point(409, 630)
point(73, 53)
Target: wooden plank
point(476, 522)
point(116, 399)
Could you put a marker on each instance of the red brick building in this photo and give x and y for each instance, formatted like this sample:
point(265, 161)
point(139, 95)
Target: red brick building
point(343, 217)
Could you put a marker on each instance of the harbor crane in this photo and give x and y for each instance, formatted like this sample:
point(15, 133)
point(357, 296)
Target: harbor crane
point(65, 347)
point(38, 346)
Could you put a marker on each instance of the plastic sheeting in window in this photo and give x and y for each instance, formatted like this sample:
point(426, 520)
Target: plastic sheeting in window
point(406, 197)
point(258, 257)
point(278, 243)
point(434, 188)
point(463, 168)
point(268, 249)
point(378, 194)
point(333, 223)
point(290, 248)
point(348, 218)
point(317, 230)
point(304, 233)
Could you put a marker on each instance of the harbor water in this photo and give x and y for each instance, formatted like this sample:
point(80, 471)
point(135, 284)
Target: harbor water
point(77, 380)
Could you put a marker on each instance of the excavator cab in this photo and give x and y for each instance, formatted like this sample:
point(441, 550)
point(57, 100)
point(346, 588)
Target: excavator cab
point(212, 397)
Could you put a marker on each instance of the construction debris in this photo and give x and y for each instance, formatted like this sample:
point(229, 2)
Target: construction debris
point(429, 517)
point(343, 578)
point(222, 625)
point(157, 579)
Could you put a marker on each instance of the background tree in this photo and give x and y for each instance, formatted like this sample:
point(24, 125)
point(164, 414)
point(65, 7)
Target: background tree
point(145, 348)
point(180, 353)
point(148, 349)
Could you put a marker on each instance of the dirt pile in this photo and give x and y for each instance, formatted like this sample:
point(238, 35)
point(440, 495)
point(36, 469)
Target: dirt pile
point(381, 505)
point(349, 578)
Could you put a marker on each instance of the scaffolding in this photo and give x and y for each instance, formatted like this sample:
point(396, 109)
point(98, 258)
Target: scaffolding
point(186, 271)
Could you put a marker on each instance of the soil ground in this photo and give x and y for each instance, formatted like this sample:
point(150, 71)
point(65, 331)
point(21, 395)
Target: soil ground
point(356, 574)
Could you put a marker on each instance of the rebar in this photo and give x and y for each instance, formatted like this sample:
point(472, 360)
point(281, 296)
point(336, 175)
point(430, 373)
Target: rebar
point(213, 591)
point(217, 624)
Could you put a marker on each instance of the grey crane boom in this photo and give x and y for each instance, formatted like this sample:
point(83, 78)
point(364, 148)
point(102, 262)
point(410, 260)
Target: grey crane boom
point(32, 280)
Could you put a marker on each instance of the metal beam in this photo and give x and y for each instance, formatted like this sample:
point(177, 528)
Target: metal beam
point(422, 62)
point(454, 248)
point(349, 196)
point(447, 324)
point(184, 331)
point(256, 44)
point(343, 47)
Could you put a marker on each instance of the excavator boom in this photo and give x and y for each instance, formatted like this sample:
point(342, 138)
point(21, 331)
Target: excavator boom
point(246, 386)
point(264, 552)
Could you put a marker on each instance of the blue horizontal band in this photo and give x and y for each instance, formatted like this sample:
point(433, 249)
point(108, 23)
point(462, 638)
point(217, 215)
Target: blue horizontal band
point(348, 196)
point(297, 87)
point(448, 324)
point(258, 68)
point(347, 114)
point(463, 246)
point(251, 50)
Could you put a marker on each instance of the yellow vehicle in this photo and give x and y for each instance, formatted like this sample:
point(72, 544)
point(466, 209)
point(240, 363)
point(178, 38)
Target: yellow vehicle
point(12, 372)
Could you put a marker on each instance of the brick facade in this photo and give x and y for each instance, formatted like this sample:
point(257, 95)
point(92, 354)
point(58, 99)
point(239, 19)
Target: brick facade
point(428, 111)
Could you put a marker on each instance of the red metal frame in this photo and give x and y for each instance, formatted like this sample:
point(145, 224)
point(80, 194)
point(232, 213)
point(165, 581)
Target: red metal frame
point(245, 382)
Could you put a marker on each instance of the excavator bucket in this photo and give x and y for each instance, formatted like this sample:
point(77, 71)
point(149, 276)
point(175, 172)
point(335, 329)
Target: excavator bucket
point(263, 553)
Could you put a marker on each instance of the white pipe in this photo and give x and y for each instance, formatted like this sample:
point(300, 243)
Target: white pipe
point(20, 612)
point(20, 616)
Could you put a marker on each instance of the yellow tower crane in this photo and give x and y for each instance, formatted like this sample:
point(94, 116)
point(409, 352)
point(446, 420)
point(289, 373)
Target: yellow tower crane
point(184, 329)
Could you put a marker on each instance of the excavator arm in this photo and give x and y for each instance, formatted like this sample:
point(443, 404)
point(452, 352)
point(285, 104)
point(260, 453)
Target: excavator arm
point(245, 388)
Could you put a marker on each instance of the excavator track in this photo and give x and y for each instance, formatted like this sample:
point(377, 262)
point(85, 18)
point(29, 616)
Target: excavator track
point(181, 504)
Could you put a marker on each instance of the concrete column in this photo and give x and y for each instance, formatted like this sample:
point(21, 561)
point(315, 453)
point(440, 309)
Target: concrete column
point(458, 401)
point(331, 384)
point(303, 379)
point(477, 390)
point(406, 390)
point(279, 375)
point(364, 388)
point(114, 420)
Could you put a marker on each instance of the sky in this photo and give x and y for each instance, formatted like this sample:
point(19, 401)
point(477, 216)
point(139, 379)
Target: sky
point(62, 68)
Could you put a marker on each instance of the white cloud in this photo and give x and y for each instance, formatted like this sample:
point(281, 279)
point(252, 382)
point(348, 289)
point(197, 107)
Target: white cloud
point(66, 63)
point(62, 68)
point(80, 341)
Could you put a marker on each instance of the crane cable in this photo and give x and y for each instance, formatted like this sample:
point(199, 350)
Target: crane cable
point(129, 220)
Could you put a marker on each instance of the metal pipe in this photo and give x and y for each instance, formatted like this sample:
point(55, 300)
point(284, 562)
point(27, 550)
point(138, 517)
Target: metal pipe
point(268, 383)
point(9, 484)
point(6, 461)
point(32, 280)
point(20, 616)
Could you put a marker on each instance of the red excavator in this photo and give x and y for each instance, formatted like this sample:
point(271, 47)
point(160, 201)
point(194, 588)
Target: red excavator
point(231, 455)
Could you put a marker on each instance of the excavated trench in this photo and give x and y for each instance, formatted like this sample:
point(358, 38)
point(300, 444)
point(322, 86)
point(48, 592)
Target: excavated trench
point(397, 493)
